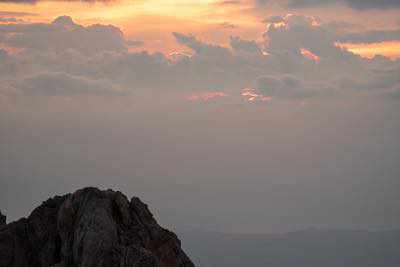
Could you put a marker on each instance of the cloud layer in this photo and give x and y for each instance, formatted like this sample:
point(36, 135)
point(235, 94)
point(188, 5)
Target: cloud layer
point(298, 57)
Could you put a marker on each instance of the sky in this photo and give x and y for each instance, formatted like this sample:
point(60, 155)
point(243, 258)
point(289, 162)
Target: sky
point(152, 21)
point(233, 116)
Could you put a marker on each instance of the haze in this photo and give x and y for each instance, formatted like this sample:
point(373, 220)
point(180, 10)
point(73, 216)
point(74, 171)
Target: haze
point(235, 116)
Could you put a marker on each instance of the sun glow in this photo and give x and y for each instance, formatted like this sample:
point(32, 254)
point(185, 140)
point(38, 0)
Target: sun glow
point(118, 12)
point(153, 21)
point(251, 95)
point(277, 25)
point(387, 49)
point(205, 96)
point(308, 54)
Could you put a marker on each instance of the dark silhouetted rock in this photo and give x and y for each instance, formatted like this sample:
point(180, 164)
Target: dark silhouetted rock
point(2, 219)
point(90, 228)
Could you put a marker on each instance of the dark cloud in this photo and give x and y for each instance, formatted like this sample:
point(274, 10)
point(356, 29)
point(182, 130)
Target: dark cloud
point(238, 44)
point(373, 4)
point(329, 33)
point(9, 20)
point(371, 36)
point(63, 84)
point(293, 32)
point(201, 48)
point(63, 33)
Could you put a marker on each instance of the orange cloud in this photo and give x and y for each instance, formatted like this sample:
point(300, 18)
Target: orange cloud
point(251, 95)
point(205, 96)
point(388, 49)
point(308, 54)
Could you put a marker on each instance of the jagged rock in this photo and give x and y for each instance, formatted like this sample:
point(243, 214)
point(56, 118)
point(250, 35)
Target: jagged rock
point(2, 219)
point(90, 228)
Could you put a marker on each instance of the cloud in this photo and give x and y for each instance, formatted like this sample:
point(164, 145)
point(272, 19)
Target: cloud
point(336, 70)
point(17, 14)
point(3, 54)
point(201, 48)
point(278, 86)
point(371, 36)
point(63, 58)
point(63, 33)
point(291, 33)
point(8, 20)
point(395, 94)
point(239, 44)
point(227, 25)
point(229, 2)
point(63, 84)
point(134, 43)
point(373, 4)
point(305, 27)
point(355, 4)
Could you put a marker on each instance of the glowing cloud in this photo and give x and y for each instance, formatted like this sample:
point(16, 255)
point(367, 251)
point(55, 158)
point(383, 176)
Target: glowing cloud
point(308, 54)
point(389, 49)
point(251, 95)
point(205, 96)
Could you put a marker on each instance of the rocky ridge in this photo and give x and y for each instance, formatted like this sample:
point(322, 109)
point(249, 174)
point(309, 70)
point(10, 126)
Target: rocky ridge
point(90, 228)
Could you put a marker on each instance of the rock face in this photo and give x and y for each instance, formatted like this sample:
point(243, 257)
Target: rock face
point(2, 219)
point(90, 228)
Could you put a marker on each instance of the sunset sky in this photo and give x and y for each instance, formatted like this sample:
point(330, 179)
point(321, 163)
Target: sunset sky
point(152, 21)
point(234, 116)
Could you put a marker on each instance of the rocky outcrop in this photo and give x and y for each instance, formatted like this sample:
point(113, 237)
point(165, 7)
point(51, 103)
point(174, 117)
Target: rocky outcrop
point(90, 228)
point(2, 219)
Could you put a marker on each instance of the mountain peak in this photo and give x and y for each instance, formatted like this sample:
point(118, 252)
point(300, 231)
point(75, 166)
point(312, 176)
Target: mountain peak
point(90, 227)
